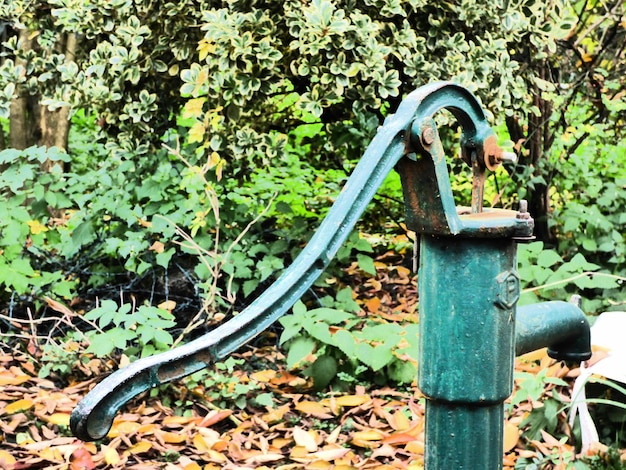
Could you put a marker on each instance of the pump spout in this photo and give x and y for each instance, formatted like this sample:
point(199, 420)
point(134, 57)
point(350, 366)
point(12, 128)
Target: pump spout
point(561, 326)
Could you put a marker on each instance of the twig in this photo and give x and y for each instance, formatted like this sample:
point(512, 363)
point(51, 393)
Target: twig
point(573, 278)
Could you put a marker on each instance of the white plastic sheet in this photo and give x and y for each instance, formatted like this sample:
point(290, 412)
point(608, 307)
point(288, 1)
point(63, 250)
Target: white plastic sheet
point(608, 334)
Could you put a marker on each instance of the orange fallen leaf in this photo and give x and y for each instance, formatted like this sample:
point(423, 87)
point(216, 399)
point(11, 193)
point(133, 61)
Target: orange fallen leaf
point(352, 400)
point(59, 307)
point(81, 460)
point(111, 456)
point(60, 419)
point(149, 428)
point(216, 456)
point(313, 408)
point(263, 376)
point(123, 427)
point(398, 438)
point(511, 436)
point(157, 247)
point(206, 439)
point(400, 422)
point(6, 460)
point(320, 465)
point(299, 454)
point(415, 447)
point(372, 305)
point(8, 378)
point(141, 447)
point(168, 305)
point(286, 378)
point(384, 450)
point(200, 444)
point(215, 417)
point(369, 435)
point(220, 445)
point(192, 466)
point(366, 438)
point(275, 414)
point(280, 442)
point(19, 405)
point(334, 435)
point(260, 457)
point(176, 421)
point(417, 465)
point(173, 438)
point(52, 454)
point(330, 454)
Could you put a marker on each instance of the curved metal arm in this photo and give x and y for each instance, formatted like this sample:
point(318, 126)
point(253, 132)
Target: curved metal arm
point(93, 416)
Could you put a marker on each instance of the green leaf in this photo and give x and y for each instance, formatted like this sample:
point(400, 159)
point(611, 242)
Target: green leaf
point(249, 286)
point(163, 337)
point(323, 371)
point(163, 259)
point(100, 345)
point(363, 245)
point(383, 332)
point(382, 356)
point(83, 234)
point(319, 331)
point(105, 307)
point(346, 342)
point(345, 301)
point(596, 281)
point(366, 263)
point(579, 263)
point(299, 349)
point(330, 316)
point(548, 258)
point(265, 399)
point(402, 371)
point(590, 244)
point(365, 353)
point(299, 308)
point(292, 325)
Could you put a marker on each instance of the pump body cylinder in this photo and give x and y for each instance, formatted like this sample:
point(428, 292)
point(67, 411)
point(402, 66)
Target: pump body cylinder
point(468, 289)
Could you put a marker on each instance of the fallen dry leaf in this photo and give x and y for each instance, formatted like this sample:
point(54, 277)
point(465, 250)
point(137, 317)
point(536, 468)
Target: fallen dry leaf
point(19, 405)
point(352, 400)
point(306, 439)
point(511, 436)
point(81, 460)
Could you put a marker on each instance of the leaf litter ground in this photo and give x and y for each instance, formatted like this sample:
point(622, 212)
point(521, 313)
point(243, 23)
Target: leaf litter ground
point(179, 428)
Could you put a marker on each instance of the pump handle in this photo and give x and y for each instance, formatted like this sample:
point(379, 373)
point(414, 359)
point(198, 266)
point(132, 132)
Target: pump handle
point(402, 135)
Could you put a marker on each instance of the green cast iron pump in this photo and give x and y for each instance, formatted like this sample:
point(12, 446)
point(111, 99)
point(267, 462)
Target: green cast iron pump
point(470, 328)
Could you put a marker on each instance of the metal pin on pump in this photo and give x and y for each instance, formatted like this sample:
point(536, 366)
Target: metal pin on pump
point(470, 328)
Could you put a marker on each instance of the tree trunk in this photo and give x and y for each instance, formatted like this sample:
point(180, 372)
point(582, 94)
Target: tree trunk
point(21, 112)
point(55, 124)
point(33, 124)
point(537, 140)
point(3, 142)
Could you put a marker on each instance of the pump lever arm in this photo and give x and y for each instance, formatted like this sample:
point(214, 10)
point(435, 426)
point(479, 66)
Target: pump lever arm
point(93, 416)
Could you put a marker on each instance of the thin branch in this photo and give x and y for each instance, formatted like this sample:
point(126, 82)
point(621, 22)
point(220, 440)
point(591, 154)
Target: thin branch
point(589, 274)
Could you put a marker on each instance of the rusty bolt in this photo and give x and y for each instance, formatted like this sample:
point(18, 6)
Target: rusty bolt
point(522, 213)
point(428, 136)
